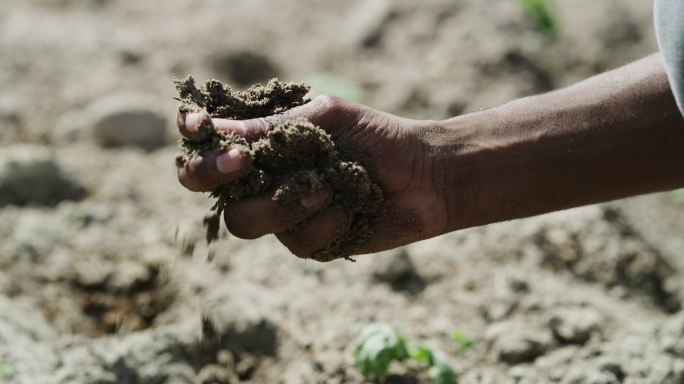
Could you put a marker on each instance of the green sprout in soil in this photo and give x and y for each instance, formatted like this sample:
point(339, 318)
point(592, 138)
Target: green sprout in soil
point(678, 196)
point(5, 372)
point(322, 83)
point(543, 18)
point(381, 344)
point(461, 341)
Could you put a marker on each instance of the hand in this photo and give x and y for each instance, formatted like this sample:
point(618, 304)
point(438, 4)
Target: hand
point(395, 151)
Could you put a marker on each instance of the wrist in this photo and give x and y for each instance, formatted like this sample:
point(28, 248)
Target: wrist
point(486, 167)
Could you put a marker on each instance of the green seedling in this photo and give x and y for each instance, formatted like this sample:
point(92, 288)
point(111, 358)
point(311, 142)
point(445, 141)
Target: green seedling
point(5, 372)
point(543, 18)
point(461, 341)
point(678, 196)
point(439, 370)
point(327, 83)
point(78, 222)
point(381, 344)
point(376, 348)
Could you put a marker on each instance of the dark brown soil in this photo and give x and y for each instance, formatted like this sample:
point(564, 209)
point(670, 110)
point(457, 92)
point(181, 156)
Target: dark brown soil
point(124, 311)
point(295, 158)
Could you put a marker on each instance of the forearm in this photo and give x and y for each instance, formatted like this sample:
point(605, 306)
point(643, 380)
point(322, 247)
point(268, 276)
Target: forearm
point(615, 135)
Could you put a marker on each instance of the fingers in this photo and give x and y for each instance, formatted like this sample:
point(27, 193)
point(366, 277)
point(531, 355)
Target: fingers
point(205, 173)
point(328, 112)
point(255, 217)
point(261, 215)
point(188, 123)
point(315, 234)
point(325, 111)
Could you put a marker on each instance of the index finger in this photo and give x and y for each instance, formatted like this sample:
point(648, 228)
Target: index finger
point(190, 125)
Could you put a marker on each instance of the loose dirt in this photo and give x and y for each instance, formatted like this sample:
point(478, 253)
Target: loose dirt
point(293, 160)
point(95, 288)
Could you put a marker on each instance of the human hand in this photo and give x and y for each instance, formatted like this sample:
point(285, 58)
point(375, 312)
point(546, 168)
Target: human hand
point(395, 151)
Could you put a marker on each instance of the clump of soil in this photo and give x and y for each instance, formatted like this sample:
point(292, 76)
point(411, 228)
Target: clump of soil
point(294, 159)
point(131, 307)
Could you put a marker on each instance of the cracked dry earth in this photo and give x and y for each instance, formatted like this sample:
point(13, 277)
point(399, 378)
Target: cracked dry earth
point(103, 270)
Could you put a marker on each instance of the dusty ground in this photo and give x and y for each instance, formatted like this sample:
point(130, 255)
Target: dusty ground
point(99, 282)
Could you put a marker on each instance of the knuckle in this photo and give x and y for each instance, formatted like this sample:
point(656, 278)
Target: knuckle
point(265, 124)
point(328, 103)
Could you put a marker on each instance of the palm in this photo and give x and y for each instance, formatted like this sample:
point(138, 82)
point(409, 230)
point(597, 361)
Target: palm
point(395, 157)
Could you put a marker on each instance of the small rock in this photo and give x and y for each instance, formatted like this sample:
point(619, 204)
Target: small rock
point(591, 375)
point(555, 363)
point(368, 27)
point(611, 365)
point(92, 273)
point(499, 309)
point(518, 284)
point(671, 336)
point(130, 275)
point(33, 238)
point(575, 325)
point(514, 343)
point(215, 374)
point(391, 267)
point(524, 375)
point(20, 324)
point(30, 175)
point(396, 269)
point(128, 120)
point(244, 67)
point(10, 121)
point(240, 327)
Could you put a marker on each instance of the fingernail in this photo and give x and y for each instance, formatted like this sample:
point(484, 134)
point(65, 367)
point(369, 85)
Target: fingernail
point(228, 162)
point(314, 199)
point(192, 120)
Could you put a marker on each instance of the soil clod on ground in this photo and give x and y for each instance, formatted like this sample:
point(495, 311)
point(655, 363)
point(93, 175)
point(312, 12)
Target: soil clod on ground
point(293, 160)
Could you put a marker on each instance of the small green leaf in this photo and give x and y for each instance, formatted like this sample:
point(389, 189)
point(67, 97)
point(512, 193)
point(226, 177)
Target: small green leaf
point(5, 371)
point(376, 348)
point(78, 222)
point(421, 354)
point(461, 340)
point(678, 196)
point(380, 344)
point(327, 83)
point(442, 374)
point(541, 15)
point(440, 371)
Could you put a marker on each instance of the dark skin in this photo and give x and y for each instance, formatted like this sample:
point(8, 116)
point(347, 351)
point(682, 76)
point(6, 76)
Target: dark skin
point(614, 135)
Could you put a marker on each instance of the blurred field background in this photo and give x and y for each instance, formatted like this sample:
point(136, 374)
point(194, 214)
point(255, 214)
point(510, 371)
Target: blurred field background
point(102, 276)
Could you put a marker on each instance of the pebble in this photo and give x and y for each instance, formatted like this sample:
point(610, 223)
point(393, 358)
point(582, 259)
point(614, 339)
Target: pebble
point(29, 175)
point(575, 325)
point(515, 343)
point(396, 269)
point(603, 370)
point(393, 266)
point(245, 67)
point(127, 120)
point(240, 326)
point(215, 374)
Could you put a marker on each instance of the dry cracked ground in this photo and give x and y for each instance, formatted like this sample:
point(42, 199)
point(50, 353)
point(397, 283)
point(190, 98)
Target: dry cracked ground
point(102, 279)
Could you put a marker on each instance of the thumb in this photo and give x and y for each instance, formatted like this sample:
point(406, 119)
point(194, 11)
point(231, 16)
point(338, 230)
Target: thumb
point(324, 111)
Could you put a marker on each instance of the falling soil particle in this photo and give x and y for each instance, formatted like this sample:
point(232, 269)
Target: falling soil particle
point(293, 160)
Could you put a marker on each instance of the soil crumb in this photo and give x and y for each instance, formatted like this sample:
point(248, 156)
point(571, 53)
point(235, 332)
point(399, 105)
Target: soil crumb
point(293, 160)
